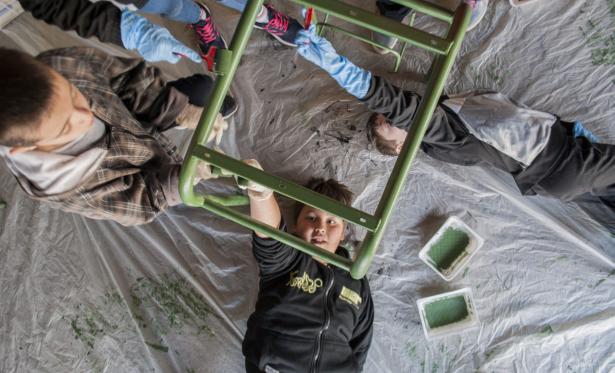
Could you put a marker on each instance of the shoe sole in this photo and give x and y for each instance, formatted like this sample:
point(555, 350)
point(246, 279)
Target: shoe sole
point(289, 44)
point(232, 112)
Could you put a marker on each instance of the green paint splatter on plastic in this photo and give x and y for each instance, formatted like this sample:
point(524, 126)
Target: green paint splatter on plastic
point(411, 350)
point(90, 325)
point(172, 302)
point(546, 330)
point(158, 347)
point(604, 279)
point(2, 204)
point(449, 247)
point(165, 304)
point(495, 73)
point(600, 39)
point(446, 311)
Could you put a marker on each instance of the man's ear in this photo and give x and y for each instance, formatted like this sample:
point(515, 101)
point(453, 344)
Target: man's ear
point(398, 148)
point(21, 149)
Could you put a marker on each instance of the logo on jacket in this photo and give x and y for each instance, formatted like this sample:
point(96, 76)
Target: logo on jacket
point(304, 282)
point(349, 296)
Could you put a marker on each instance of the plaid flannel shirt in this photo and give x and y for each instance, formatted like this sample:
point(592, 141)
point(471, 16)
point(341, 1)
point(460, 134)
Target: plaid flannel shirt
point(137, 179)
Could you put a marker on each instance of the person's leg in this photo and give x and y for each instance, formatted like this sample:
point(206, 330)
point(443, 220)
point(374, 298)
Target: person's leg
point(392, 10)
point(448, 139)
point(186, 11)
point(238, 5)
point(571, 166)
point(198, 88)
point(251, 368)
point(196, 15)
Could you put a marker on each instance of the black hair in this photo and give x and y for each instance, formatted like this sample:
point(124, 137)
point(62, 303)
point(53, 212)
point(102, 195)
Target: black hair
point(386, 147)
point(330, 188)
point(26, 91)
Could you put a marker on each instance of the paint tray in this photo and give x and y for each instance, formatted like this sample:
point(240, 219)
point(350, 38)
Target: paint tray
point(451, 248)
point(448, 313)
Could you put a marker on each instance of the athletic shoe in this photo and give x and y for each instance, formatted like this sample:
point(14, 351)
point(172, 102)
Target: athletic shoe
point(207, 33)
point(280, 26)
point(229, 107)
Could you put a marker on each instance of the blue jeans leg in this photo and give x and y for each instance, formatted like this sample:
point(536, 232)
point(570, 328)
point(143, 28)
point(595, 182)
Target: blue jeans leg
point(185, 11)
point(238, 5)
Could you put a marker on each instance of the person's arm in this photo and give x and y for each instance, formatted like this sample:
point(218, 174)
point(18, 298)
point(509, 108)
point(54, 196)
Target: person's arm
point(132, 199)
point(111, 25)
point(272, 256)
point(379, 95)
point(362, 334)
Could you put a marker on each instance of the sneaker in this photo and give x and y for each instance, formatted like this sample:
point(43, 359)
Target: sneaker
point(478, 13)
point(386, 41)
point(280, 26)
point(229, 107)
point(207, 33)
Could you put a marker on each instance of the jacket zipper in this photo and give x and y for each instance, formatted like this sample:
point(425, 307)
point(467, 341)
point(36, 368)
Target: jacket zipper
point(327, 322)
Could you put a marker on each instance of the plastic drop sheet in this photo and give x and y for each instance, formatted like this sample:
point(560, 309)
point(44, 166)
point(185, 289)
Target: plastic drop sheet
point(80, 295)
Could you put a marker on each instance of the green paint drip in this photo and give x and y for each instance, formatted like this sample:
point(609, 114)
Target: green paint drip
point(446, 311)
point(2, 204)
point(600, 39)
point(449, 247)
point(172, 302)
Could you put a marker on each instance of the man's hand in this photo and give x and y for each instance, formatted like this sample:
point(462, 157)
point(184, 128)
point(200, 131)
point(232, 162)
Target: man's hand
point(203, 172)
point(153, 42)
point(189, 119)
point(255, 191)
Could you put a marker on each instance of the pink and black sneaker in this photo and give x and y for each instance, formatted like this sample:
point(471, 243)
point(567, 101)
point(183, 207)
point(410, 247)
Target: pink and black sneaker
point(280, 26)
point(207, 33)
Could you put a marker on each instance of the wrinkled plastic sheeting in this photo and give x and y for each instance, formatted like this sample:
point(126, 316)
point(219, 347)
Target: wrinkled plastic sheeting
point(84, 295)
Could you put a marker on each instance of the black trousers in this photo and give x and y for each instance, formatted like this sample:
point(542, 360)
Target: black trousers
point(197, 87)
point(392, 10)
point(567, 168)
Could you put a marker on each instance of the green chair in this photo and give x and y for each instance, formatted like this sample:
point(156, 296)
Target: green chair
point(446, 50)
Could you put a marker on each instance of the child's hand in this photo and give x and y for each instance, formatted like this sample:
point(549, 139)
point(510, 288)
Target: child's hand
point(255, 191)
point(203, 172)
point(218, 129)
point(189, 118)
point(314, 48)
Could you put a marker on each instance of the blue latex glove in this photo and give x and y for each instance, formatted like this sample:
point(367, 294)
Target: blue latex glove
point(580, 131)
point(320, 52)
point(153, 42)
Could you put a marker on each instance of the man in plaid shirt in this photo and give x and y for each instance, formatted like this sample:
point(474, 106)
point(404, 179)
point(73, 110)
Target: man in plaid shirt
point(83, 131)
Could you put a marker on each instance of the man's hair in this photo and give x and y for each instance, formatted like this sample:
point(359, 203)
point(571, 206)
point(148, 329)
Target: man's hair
point(26, 91)
point(330, 188)
point(386, 147)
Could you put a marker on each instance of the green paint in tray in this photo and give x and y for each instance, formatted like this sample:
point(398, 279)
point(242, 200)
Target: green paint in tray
point(446, 311)
point(450, 246)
